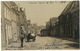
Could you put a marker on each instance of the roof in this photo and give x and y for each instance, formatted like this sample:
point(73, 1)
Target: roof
point(54, 19)
point(69, 7)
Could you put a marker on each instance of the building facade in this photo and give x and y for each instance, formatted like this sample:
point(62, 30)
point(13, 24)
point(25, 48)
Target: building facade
point(12, 18)
point(67, 24)
point(53, 27)
point(6, 25)
point(48, 28)
point(43, 32)
point(69, 20)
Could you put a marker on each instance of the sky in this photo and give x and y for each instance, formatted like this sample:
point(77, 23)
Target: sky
point(40, 12)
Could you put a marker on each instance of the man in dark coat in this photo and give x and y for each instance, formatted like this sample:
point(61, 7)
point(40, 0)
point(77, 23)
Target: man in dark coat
point(22, 38)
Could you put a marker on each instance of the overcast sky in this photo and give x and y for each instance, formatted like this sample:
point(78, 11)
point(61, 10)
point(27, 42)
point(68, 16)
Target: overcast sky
point(41, 12)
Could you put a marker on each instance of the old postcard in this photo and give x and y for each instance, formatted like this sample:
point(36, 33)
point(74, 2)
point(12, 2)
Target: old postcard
point(39, 25)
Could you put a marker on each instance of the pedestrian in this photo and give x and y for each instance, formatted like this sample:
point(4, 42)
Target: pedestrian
point(22, 38)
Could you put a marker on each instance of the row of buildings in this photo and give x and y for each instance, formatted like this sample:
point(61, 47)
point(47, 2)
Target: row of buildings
point(67, 24)
point(13, 17)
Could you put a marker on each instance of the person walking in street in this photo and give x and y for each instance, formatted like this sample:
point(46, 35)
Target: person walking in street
point(22, 38)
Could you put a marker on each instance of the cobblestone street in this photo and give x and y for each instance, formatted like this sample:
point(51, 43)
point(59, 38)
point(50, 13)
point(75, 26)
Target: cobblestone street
point(44, 43)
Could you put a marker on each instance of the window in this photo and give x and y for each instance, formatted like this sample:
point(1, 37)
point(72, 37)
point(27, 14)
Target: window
point(9, 15)
point(5, 12)
point(14, 16)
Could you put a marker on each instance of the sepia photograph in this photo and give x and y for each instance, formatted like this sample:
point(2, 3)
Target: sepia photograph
point(40, 25)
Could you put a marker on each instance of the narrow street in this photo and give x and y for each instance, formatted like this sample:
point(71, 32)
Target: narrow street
point(55, 23)
point(44, 43)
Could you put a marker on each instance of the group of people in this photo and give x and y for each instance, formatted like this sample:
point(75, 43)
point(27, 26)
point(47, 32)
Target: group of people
point(27, 36)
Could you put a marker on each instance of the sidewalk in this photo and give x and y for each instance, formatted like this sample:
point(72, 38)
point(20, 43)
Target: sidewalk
point(67, 38)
